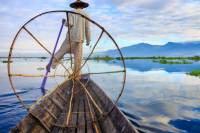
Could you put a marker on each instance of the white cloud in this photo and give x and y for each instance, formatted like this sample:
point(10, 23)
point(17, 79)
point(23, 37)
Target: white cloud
point(153, 21)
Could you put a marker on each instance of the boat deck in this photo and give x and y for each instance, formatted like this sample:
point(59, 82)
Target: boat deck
point(75, 107)
point(79, 116)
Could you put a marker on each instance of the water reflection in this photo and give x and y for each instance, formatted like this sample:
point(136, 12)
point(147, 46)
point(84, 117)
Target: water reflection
point(155, 95)
point(191, 126)
point(149, 65)
point(158, 97)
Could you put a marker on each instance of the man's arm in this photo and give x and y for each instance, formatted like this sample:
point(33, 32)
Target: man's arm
point(87, 31)
point(70, 21)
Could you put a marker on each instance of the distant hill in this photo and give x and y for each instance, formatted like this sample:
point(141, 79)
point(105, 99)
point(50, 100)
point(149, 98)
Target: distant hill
point(170, 49)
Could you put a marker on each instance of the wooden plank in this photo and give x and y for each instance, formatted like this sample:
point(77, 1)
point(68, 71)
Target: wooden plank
point(42, 116)
point(72, 127)
point(27, 125)
point(52, 109)
point(88, 118)
point(112, 119)
point(81, 116)
point(95, 122)
point(61, 96)
point(105, 124)
point(46, 112)
point(43, 119)
point(60, 125)
point(57, 103)
point(39, 115)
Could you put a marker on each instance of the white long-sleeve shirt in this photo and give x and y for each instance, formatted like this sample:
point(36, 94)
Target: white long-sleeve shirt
point(79, 27)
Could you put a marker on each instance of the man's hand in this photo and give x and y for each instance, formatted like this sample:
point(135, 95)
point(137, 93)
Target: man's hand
point(63, 20)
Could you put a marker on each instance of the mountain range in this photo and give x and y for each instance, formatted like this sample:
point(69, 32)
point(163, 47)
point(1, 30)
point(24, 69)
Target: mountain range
point(172, 49)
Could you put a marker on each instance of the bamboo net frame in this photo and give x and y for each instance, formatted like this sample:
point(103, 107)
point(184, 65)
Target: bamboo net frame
point(88, 95)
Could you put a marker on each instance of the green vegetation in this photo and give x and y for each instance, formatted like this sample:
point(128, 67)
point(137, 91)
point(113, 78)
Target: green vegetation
point(164, 61)
point(134, 58)
point(194, 58)
point(5, 61)
point(43, 58)
point(104, 58)
point(195, 73)
point(158, 59)
point(40, 68)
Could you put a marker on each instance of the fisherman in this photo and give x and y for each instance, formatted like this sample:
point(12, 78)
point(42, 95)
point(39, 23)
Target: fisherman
point(79, 29)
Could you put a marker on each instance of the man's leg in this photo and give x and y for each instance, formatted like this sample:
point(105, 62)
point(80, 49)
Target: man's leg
point(59, 55)
point(78, 59)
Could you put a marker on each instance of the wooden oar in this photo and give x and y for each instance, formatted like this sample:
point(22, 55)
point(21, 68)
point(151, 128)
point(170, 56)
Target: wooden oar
point(50, 62)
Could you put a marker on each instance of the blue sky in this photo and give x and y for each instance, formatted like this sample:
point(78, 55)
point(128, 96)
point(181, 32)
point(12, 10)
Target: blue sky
point(129, 21)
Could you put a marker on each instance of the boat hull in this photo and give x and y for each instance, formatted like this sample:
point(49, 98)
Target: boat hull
point(75, 106)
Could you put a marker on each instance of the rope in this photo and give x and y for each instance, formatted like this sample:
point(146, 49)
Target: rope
point(70, 104)
point(94, 124)
point(95, 104)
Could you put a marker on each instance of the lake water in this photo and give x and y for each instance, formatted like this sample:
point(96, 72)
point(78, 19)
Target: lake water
point(155, 96)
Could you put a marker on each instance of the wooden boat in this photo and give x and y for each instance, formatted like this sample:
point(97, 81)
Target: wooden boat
point(80, 107)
